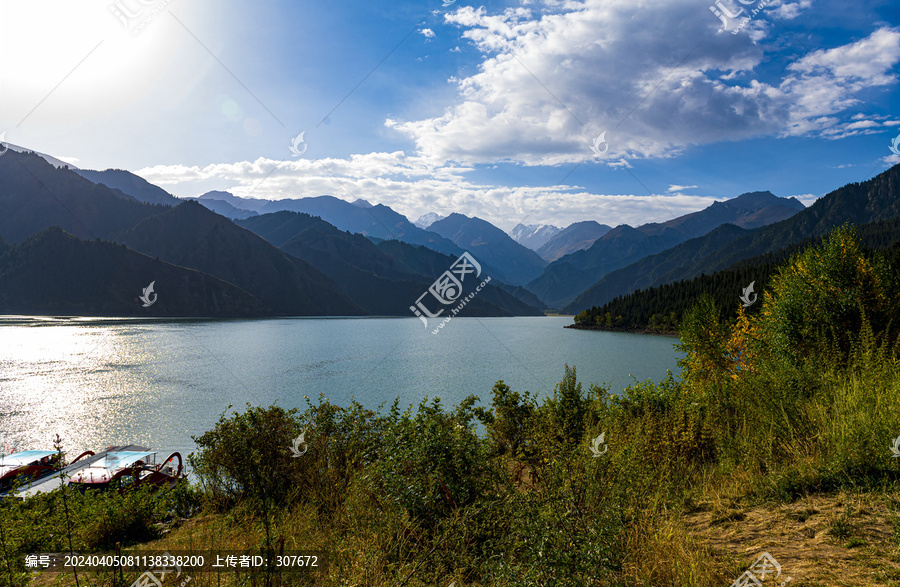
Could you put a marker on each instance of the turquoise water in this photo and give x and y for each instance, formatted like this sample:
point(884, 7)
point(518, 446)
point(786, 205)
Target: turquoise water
point(105, 382)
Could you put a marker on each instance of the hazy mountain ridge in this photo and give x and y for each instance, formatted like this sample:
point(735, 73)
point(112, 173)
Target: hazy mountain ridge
point(505, 259)
point(133, 185)
point(225, 209)
point(565, 279)
point(856, 203)
point(377, 280)
point(575, 237)
point(377, 221)
point(35, 195)
point(486, 242)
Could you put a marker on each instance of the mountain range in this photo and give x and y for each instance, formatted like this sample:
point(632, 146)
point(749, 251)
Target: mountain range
point(384, 278)
point(575, 237)
point(856, 203)
point(63, 231)
point(325, 256)
point(660, 308)
point(517, 264)
point(377, 222)
point(564, 279)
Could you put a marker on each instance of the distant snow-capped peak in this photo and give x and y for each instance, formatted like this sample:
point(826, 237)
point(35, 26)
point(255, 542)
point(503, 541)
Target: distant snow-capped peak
point(533, 236)
point(427, 219)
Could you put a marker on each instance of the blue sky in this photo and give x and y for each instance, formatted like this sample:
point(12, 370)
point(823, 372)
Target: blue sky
point(484, 109)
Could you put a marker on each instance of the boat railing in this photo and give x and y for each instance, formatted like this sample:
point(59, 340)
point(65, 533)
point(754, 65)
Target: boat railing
point(168, 470)
point(87, 453)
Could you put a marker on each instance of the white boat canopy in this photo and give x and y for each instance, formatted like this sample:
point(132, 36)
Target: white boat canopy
point(20, 459)
point(125, 458)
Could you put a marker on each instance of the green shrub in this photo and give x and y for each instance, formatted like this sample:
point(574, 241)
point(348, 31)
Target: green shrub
point(510, 423)
point(818, 302)
point(248, 456)
point(569, 407)
point(127, 519)
point(433, 462)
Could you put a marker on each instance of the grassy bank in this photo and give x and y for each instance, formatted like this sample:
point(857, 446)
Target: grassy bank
point(780, 424)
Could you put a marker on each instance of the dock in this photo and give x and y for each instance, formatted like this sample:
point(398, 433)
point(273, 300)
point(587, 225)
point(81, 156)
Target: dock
point(54, 480)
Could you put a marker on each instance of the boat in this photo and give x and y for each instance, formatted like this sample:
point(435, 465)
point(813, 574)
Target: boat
point(129, 469)
point(30, 465)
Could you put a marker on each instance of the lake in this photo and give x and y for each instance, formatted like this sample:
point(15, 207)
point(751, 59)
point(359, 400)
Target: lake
point(101, 382)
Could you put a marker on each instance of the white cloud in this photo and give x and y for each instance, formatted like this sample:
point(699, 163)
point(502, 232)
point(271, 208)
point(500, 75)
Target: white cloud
point(555, 76)
point(807, 199)
point(427, 33)
point(414, 186)
point(679, 188)
point(791, 10)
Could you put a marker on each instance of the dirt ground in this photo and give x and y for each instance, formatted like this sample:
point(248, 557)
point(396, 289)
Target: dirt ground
point(820, 541)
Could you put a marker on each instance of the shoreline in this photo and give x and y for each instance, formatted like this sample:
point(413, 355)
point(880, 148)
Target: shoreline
point(645, 330)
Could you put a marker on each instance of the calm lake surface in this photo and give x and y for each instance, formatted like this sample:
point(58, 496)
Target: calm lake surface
point(101, 382)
